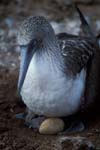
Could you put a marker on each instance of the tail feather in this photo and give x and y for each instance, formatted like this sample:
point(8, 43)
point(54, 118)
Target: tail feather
point(85, 26)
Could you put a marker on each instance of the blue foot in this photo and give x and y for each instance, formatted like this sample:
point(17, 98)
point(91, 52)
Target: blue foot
point(35, 122)
point(31, 121)
point(75, 125)
point(21, 116)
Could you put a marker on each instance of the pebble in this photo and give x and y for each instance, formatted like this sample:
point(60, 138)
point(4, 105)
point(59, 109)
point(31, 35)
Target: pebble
point(51, 126)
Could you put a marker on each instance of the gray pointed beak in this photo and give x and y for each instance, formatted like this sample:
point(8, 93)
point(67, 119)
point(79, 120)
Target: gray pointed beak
point(25, 61)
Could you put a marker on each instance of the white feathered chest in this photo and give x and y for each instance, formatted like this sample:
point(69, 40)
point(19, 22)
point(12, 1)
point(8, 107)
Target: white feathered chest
point(48, 91)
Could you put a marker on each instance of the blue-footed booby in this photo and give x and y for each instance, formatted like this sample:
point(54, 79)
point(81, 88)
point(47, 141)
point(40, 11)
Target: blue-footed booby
point(58, 73)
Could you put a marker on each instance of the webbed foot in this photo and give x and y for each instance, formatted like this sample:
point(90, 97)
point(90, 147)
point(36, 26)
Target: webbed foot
point(35, 122)
point(73, 125)
point(21, 116)
point(31, 120)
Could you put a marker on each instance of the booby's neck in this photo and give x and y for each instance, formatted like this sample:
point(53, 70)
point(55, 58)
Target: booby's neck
point(50, 51)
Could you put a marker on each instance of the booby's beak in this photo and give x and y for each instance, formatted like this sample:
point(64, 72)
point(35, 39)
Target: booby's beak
point(26, 57)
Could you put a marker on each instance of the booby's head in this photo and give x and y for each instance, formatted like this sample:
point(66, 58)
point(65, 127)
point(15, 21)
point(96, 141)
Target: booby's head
point(34, 35)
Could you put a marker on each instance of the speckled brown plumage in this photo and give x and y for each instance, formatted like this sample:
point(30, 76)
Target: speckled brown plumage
point(77, 52)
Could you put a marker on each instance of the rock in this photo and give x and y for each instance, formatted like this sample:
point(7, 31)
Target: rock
point(51, 126)
point(76, 143)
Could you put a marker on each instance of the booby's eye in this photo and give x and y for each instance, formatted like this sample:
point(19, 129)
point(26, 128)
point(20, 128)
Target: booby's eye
point(32, 44)
point(35, 43)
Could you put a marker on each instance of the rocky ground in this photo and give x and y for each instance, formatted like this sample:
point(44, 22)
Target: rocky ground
point(63, 17)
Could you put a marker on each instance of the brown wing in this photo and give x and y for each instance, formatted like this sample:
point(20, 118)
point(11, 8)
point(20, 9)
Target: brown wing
point(77, 52)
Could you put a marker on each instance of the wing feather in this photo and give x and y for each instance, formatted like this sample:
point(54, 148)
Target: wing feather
point(77, 51)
